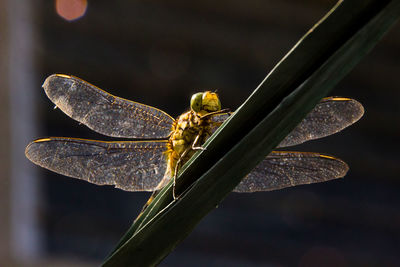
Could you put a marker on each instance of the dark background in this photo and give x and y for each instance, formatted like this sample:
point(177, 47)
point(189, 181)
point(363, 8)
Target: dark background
point(160, 53)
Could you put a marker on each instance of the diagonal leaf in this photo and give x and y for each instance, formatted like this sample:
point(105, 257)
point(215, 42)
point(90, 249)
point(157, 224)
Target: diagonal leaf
point(306, 74)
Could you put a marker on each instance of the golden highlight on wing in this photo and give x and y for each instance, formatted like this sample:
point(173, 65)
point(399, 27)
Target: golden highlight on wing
point(104, 113)
point(129, 165)
point(282, 169)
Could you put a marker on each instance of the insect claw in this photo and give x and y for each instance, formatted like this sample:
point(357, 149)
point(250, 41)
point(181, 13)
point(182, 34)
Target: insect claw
point(173, 193)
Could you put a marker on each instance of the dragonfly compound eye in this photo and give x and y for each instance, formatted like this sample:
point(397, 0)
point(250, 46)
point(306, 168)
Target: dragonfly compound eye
point(210, 102)
point(195, 102)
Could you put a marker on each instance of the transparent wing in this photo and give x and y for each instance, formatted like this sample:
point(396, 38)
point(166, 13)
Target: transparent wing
point(282, 169)
point(129, 165)
point(105, 113)
point(330, 116)
point(217, 120)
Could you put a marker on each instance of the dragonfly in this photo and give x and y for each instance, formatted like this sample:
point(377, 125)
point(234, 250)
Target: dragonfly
point(162, 144)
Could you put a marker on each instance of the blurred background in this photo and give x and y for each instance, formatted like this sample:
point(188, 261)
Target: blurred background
point(160, 53)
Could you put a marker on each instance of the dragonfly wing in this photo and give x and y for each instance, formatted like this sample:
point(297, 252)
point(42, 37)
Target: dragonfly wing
point(129, 165)
point(217, 120)
point(330, 116)
point(105, 113)
point(282, 169)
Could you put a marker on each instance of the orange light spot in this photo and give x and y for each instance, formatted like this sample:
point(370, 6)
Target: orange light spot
point(71, 9)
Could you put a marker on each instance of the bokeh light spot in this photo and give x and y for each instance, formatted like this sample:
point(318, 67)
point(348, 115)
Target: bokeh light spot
point(71, 9)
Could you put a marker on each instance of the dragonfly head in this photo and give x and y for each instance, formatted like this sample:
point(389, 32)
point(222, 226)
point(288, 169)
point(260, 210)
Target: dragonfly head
point(205, 101)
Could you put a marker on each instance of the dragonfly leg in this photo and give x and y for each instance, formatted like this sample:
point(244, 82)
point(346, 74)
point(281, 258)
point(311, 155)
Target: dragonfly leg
point(174, 180)
point(194, 144)
point(178, 163)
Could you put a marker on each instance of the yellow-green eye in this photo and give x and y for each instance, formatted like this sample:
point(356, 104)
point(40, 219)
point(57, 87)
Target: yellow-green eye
point(196, 102)
point(210, 102)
